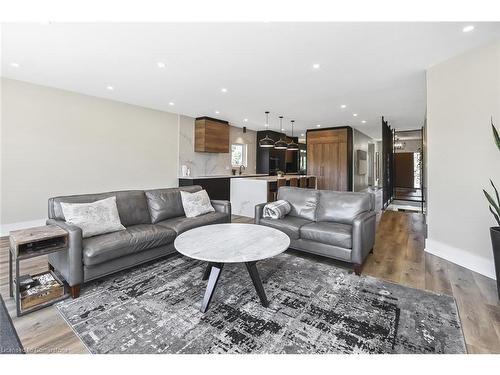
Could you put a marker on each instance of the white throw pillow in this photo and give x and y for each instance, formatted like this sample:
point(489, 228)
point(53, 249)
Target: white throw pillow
point(94, 218)
point(196, 204)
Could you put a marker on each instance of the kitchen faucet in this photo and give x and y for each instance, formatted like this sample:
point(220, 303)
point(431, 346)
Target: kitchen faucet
point(242, 166)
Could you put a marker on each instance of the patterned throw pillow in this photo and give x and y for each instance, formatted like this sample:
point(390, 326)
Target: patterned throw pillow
point(94, 218)
point(196, 204)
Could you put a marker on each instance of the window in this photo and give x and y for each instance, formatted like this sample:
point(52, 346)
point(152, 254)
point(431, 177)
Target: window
point(239, 155)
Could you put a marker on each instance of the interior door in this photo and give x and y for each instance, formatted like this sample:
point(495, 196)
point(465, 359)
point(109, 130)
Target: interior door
point(331, 166)
point(403, 170)
point(314, 162)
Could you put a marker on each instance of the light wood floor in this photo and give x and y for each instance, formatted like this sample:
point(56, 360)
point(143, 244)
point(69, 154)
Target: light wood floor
point(398, 257)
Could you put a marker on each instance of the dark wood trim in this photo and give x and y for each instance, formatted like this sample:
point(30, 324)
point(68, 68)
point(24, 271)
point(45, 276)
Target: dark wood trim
point(212, 119)
point(350, 158)
point(329, 128)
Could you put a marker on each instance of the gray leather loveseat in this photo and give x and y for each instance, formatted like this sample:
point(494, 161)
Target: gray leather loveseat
point(153, 218)
point(339, 225)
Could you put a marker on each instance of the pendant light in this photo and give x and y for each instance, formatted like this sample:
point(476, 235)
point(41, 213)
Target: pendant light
point(281, 144)
point(292, 146)
point(266, 142)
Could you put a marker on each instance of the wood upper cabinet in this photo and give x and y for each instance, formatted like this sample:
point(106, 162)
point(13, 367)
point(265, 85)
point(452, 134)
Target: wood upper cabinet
point(211, 135)
point(328, 158)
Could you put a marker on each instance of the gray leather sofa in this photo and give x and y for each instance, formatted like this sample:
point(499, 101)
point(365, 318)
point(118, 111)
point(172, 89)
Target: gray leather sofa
point(339, 225)
point(153, 218)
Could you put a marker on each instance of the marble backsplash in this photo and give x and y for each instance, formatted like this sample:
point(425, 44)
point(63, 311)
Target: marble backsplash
point(206, 164)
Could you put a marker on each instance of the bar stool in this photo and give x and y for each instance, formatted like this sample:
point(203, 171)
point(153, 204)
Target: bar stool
point(303, 182)
point(311, 182)
point(279, 183)
point(294, 181)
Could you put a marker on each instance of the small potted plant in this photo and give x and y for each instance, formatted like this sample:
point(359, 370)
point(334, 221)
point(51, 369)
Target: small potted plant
point(494, 202)
point(280, 173)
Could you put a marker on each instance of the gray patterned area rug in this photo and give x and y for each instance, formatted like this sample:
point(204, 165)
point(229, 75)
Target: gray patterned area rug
point(314, 308)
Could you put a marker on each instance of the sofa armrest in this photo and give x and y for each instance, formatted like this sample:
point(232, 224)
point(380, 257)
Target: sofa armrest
point(363, 236)
point(222, 206)
point(259, 211)
point(69, 263)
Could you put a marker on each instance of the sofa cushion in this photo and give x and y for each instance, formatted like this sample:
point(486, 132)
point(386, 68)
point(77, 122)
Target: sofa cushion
point(99, 217)
point(134, 239)
point(342, 207)
point(131, 204)
point(196, 204)
point(290, 225)
point(166, 203)
point(182, 224)
point(328, 233)
point(303, 201)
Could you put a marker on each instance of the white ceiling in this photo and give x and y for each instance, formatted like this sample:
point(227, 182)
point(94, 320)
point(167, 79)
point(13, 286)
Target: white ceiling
point(374, 68)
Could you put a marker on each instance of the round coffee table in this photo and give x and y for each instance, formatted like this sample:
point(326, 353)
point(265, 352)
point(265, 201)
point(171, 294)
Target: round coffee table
point(231, 243)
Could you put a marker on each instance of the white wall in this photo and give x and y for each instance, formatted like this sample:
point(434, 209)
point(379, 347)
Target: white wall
point(359, 142)
point(56, 142)
point(207, 163)
point(462, 94)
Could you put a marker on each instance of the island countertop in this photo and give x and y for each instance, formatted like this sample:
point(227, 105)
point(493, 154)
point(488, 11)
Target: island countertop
point(287, 177)
point(222, 176)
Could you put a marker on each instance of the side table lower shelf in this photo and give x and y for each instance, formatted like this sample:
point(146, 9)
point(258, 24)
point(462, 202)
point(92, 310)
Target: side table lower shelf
point(59, 292)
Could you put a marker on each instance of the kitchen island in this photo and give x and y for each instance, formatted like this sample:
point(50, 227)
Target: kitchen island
point(249, 192)
point(217, 186)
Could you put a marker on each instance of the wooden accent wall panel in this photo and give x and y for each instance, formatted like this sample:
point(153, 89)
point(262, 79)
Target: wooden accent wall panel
point(328, 158)
point(211, 135)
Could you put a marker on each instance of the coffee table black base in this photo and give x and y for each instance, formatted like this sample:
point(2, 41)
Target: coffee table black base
point(212, 273)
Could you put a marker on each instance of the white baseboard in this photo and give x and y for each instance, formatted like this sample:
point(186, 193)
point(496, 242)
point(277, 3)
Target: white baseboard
point(6, 228)
point(461, 257)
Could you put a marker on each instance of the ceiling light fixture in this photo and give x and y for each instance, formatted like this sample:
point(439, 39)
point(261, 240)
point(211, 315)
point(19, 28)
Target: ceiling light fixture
point(217, 112)
point(363, 121)
point(343, 106)
point(468, 28)
point(292, 146)
point(224, 90)
point(245, 120)
point(355, 114)
point(266, 142)
point(14, 65)
point(316, 66)
point(281, 143)
point(110, 88)
point(318, 126)
point(302, 134)
point(171, 104)
point(161, 64)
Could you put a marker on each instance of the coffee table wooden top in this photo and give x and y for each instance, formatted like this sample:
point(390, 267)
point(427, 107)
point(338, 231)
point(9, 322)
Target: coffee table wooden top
point(232, 243)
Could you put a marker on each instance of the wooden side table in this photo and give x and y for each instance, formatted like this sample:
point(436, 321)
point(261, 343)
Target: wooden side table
point(30, 243)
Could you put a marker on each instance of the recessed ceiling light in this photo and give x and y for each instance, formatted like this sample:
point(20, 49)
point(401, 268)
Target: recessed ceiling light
point(245, 120)
point(363, 121)
point(302, 134)
point(343, 106)
point(355, 114)
point(161, 64)
point(468, 28)
point(224, 90)
point(318, 126)
point(14, 65)
point(282, 129)
point(316, 66)
point(216, 112)
point(110, 88)
point(171, 104)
